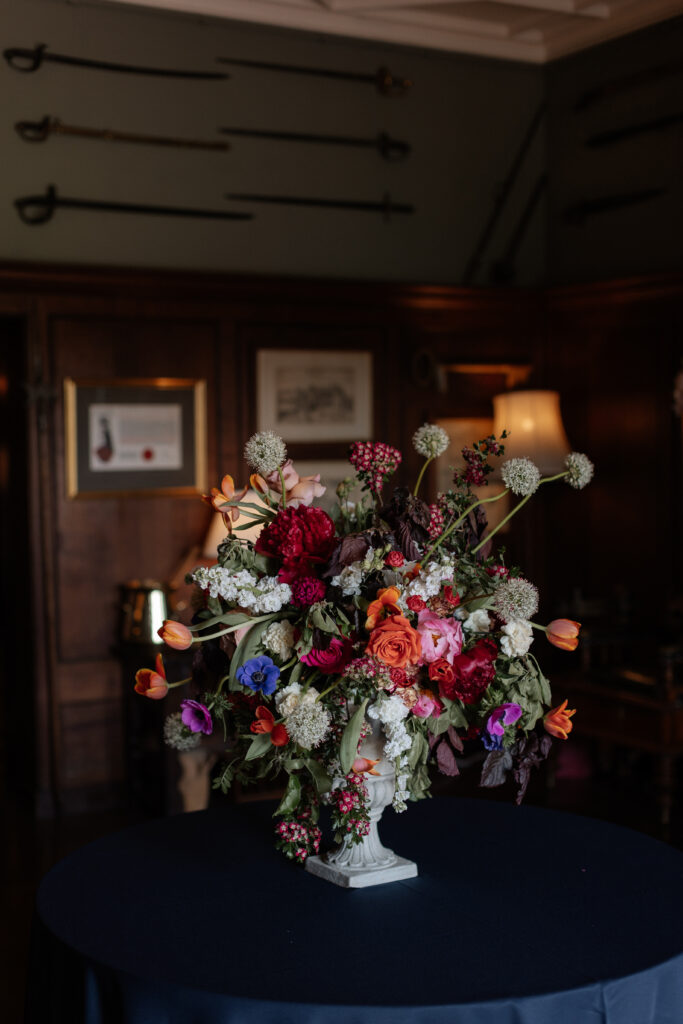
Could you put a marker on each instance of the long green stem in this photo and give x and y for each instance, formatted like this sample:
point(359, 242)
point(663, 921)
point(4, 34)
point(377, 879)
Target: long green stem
point(422, 473)
point(502, 523)
point(282, 484)
point(180, 682)
point(447, 532)
point(230, 629)
point(329, 689)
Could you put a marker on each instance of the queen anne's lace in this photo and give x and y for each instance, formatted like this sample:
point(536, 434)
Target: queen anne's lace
point(308, 724)
point(178, 736)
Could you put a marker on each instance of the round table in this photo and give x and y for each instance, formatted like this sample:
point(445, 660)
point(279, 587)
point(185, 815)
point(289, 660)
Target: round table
point(518, 916)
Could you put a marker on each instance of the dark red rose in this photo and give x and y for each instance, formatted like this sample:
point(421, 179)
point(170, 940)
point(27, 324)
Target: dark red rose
point(299, 537)
point(473, 671)
point(399, 677)
point(394, 560)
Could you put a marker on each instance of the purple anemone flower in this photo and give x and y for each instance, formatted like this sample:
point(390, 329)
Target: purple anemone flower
point(506, 714)
point(196, 717)
point(259, 674)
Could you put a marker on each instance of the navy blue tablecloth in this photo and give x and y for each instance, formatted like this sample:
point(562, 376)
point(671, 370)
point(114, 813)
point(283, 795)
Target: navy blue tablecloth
point(518, 916)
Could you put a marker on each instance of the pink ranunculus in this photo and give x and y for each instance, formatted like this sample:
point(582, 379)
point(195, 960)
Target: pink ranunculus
point(425, 707)
point(299, 490)
point(441, 638)
point(332, 661)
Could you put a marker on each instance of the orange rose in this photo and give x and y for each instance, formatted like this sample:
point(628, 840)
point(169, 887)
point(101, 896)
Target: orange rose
point(383, 606)
point(395, 642)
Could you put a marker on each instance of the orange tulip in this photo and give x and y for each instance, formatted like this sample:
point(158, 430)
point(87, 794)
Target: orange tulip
point(176, 635)
point(384, 605)
point(150, 683)
point(563, 633)
point(557, 723)
point(218, 499)
point(364, 764)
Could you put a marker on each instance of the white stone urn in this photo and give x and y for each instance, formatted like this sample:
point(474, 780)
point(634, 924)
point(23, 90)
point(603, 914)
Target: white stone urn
point(358, 865)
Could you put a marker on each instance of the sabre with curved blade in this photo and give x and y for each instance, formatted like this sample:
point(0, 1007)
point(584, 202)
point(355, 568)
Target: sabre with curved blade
point(30, 60)
point(40, 209)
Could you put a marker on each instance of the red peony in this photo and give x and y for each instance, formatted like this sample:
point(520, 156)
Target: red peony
point(299, 537)
point(473, 672)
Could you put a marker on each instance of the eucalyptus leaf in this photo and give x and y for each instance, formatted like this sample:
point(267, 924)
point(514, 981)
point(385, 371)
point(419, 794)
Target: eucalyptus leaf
point(258, 746)
point(291, 797)
point(348, 748)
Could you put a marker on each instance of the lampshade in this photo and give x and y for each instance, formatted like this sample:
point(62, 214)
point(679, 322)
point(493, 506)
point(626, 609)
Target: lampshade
point(534, 423)
point(217, 531)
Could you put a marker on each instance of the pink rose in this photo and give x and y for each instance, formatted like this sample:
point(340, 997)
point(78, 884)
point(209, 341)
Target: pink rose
point(441, 638)
point(332, 661)
point(299, 490)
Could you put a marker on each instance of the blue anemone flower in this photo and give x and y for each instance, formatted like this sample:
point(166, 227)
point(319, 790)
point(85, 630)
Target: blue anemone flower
point(259, 674)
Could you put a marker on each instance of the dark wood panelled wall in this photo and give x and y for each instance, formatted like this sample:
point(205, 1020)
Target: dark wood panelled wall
point(612, 350)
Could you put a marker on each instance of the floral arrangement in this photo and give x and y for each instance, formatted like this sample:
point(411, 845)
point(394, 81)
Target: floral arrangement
point(394, 612)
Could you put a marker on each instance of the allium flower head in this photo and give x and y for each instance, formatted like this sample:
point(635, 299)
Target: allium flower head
point(265, 452)
point(516, 598)
point(521, 476)
point(177, 734)
point(581, 470)
point(430, 440)
point(308, 724)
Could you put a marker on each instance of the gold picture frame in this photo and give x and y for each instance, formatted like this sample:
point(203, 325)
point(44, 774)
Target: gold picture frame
point(133, 437)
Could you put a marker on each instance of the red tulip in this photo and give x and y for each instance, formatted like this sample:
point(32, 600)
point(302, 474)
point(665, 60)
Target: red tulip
point(176, 635)
point(563, 633)
point(265, 722)
point(150, 683)
point(557, 723)
point(364, 764)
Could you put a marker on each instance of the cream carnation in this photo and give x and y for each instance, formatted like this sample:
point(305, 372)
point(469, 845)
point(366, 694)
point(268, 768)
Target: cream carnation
point(517, 638)
point(478, 622)
point(279, 639)
point(290, 697)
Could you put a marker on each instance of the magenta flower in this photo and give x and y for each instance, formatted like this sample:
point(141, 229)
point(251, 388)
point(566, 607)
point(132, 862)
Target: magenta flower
point(506, 714)
point(331, 661)
point(196, 717)
point(441, 638)
point(307, 590)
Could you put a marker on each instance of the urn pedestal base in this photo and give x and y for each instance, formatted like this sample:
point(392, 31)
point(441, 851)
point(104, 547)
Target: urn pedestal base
point(361, 877)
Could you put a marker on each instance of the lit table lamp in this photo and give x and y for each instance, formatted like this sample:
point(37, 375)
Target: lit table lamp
point(534, 422)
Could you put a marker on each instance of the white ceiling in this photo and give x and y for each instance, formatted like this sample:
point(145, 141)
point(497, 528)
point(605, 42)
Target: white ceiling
point(535, 31)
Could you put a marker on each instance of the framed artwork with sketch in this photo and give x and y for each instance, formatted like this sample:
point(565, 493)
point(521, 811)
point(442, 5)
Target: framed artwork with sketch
point(314, 396)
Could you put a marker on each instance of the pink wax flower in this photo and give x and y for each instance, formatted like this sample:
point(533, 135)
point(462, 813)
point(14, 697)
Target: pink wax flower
point(441, 638)
point(332, 661)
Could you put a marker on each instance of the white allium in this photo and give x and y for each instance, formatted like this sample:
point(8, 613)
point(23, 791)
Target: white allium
point(517, 638)
point(580, 468)
point(516, 598)
point(478, 622)
point(308, 724)
point(349, 579)
point(521, 476)
point(178, 736)
point(430, 440)
point(265, 452)
point(279, 639)
point(289, 697)
point(244, 589)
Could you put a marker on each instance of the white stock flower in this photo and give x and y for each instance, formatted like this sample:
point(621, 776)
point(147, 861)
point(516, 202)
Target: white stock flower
point(349, 579)
point(521, 476)
point(581, 470)
point(430, 440)
point(517, 638)
point(265, 452)
point(244, 589)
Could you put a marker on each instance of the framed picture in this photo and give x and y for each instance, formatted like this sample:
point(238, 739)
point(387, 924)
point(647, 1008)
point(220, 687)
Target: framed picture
point(332, 472)
point(135, 437)
point(314, 396)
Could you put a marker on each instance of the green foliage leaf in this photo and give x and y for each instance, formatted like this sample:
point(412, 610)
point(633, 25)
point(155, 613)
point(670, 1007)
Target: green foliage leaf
point(418, 752)
point(455, 714)
point(291, 798)
point(348, 748)
point(438, 726)
point(323, 782)
point(258, 746)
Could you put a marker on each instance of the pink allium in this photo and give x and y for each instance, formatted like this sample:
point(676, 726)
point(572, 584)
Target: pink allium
point(441, 638)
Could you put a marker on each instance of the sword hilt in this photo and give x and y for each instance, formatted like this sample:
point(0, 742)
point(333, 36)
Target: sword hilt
point(25, 60)
point(37, 209)
point(34, 131)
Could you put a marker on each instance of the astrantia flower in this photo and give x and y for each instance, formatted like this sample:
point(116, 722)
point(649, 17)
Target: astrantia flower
point(178, 736)
point(430, 440)
point(308, 724)
point(581, 470)
point(265, 452)
point(196, 717)
point(521, 476)
point(516, 598)
point(517, 638)
point(259, 674)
